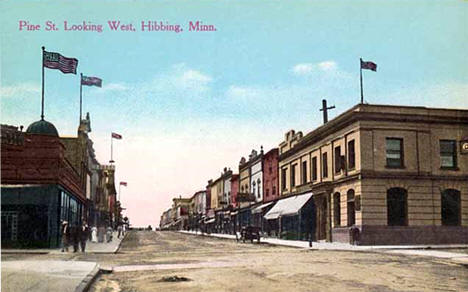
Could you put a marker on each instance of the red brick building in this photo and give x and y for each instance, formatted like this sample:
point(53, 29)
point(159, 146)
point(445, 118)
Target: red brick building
point(39, 186)
point(234, 189)
point(270, 175)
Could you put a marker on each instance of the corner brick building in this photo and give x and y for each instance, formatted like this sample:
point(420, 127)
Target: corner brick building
point(39, 186)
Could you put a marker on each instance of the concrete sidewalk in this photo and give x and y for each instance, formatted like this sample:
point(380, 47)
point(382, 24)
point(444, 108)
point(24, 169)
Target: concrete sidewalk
point(53, 275)
point(60, 276)
point(91, 247)
point(417, 250)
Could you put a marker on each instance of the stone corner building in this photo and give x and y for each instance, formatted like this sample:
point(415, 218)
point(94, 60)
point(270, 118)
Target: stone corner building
point(397, 173)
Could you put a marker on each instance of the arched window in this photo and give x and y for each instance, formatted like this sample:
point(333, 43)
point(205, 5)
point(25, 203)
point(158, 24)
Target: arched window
point(451, 207)
point(337, 209)
point(397, 207)
point(351, 208)
point(253, 188)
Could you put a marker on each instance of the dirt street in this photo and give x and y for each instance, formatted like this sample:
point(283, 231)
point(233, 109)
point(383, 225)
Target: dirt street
point(168, 261)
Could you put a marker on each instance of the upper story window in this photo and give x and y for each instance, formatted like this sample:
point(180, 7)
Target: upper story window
point(314, 168)
point(270, 170)
point(448, 154)
point(283, 179)
point(351, 155)
point(259, 188)
point(394, 148)
point(274, 190)
point(304, 172)
point(324, 165)
point(337, 159)
point(293, 175)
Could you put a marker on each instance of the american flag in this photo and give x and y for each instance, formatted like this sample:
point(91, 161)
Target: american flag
point(368, 65)
point(90, 81)
point(123, 183)
point(116, 136)
point(53, 60)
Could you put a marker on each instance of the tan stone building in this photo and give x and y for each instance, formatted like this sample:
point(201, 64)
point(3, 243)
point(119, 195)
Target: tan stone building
point(399, 174)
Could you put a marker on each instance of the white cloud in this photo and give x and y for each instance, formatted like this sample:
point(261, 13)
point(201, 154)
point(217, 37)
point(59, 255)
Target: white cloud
point(188, 78)
point(304, 69)
point(19, 90)
point(327, 65)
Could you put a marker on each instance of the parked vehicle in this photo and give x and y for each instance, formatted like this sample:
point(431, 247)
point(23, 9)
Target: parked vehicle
point(250, 233)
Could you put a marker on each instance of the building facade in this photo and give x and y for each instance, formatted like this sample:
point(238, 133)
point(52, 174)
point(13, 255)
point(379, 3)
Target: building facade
point(398, 174)
point(270, 176)
point(39, 187)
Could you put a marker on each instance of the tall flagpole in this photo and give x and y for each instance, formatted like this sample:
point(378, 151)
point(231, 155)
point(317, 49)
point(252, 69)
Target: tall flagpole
point(360, 71)
point(81, 89)
point(112, 160)
point(42, 103)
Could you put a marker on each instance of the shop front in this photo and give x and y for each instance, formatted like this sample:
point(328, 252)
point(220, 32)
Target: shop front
point(32, 214)
point(294, 217)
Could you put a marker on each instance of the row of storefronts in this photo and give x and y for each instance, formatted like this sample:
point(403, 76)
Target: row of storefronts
point(373, 175)
point(47, 180)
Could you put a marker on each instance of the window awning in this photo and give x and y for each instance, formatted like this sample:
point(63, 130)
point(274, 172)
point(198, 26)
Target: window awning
point(289, 206)
point(259, 209)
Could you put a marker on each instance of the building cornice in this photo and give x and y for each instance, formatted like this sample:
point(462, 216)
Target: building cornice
point(364, 112)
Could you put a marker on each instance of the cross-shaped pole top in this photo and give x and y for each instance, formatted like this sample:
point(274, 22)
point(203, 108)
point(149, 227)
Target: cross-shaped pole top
point(325, 110)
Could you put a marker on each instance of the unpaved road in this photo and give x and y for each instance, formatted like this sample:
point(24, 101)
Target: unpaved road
point(148, 259)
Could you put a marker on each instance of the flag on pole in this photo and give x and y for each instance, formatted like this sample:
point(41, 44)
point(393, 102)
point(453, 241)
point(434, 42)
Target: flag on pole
point(91, 81)
point(53, 60)
point(368, 65)
point(123, 183)
point(116, 136)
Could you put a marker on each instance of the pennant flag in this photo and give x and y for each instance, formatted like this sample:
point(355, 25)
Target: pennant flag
point(91, 81)
point(116, 136)
point(53, 60)
point(123, 183)
point(368, 65)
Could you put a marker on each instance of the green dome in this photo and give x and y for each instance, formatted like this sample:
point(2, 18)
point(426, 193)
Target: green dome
point(42, 127)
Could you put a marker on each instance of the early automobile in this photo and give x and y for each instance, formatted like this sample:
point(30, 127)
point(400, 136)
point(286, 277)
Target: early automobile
point(250, 233)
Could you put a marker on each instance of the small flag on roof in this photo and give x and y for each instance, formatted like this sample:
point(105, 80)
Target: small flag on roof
point(116, 136)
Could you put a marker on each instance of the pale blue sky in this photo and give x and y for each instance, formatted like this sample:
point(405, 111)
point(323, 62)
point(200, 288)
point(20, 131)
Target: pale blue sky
point(263, 72)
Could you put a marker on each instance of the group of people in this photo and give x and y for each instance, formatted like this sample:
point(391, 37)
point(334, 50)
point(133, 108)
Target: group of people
point(77, 235)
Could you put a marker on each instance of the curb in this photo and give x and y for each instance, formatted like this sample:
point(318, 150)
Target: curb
point(88, 280)
point(120, 243)
point(24, 252)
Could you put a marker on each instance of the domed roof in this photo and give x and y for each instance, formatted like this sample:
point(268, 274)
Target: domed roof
point(42, 127)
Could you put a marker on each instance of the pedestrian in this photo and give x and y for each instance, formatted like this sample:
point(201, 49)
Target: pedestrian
point(65, 232)
point(124, 229)
point(75, 236)
point(94, 236)
point(119, 230)
point(83, 236)
point(109, 234)
point(101, 233)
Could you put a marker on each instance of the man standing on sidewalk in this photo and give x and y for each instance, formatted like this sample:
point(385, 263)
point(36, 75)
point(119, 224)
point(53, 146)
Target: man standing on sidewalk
point(83, 236)
point(65, 232)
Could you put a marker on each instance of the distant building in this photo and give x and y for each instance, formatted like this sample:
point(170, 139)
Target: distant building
point(399, 174)
point(270, 176)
